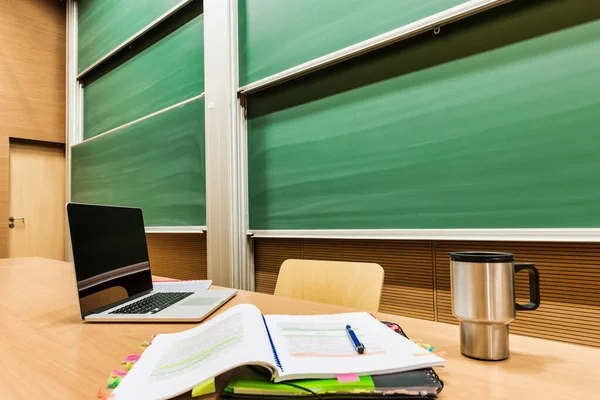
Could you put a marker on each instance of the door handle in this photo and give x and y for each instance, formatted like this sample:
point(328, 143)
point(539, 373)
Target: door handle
point(13, 219)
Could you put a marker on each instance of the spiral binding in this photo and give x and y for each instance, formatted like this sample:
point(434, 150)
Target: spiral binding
point(275, 355)
point(435, 378)
point(432, 374)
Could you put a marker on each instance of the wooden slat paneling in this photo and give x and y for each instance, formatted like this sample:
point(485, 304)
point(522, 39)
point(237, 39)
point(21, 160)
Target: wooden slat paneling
point(569, 275)
point(569, 285)
point(32, 70)
point(269, 254)
point(408, 285)
point(177, 255)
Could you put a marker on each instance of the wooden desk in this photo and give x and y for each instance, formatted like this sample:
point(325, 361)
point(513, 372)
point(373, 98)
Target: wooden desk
point(47, 352)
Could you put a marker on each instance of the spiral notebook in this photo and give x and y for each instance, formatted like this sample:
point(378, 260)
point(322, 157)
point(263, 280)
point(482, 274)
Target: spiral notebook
point(288, 346)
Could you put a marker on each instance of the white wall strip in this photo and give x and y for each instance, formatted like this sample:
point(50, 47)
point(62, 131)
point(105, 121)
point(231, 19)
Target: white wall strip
point(453, 14)
point(135, 36)
point(533, 235)
point(72, 112)
point(175, 229)
point(71, 89)
point(228, 248)
point(79, 131)
point(246, 244)
point(154, 114)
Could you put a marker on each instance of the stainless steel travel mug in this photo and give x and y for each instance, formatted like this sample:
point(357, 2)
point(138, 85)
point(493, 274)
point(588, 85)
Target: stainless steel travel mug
point(483, 299)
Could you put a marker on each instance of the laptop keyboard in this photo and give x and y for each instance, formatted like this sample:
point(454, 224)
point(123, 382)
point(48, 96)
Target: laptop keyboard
point(152, 304)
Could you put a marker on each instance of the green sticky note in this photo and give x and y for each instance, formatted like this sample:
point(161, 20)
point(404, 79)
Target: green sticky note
point(206, 387)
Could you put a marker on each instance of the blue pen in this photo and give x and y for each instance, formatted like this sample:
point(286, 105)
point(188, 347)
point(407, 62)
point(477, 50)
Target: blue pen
point(358, 346)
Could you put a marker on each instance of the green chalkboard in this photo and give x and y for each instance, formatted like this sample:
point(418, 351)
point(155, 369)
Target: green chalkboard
point(275, 35)
point(500, 136)
point(105, 24)
point(157, 164)
point(168, 72)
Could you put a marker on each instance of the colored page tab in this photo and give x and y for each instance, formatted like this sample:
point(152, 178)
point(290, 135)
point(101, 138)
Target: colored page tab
point(206, 387)
point(345, 378)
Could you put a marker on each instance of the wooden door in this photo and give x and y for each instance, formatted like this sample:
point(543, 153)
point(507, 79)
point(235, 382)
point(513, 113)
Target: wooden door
point(37, 194)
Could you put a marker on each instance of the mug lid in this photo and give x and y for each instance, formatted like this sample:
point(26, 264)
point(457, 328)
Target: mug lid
point(481, 256)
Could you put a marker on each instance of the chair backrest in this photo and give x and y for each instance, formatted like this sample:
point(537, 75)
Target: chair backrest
point(349, 284)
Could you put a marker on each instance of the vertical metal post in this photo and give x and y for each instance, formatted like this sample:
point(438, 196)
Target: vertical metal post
point(228, 247)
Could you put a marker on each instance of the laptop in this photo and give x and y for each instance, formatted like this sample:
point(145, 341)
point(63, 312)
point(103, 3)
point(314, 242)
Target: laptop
point(112, 268)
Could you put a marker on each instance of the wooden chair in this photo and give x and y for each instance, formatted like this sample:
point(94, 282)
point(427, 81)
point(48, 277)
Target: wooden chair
point(349, 284)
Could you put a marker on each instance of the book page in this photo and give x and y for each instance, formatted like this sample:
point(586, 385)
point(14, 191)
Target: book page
point(318, 346)
point(176, 362)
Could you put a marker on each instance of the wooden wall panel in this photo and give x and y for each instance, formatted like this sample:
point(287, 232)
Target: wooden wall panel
point(269, 254)
point(177, 255)
point(408, 284)
point(569, 284)
point(569, 273)
point(32, 69)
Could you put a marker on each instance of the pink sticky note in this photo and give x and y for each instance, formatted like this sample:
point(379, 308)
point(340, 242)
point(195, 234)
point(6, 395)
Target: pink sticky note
point(345, 378)
point(132, 357)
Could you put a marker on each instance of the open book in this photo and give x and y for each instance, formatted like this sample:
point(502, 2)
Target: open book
point(290, 346)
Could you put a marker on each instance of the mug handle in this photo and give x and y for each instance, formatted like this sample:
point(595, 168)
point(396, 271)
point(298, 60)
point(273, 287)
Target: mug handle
point(534, 287)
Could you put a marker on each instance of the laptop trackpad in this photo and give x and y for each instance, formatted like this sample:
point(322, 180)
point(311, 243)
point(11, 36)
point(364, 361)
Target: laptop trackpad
point(199, 302)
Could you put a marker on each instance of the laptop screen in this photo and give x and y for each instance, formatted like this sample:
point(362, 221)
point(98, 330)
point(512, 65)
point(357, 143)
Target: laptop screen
point(109, 253)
